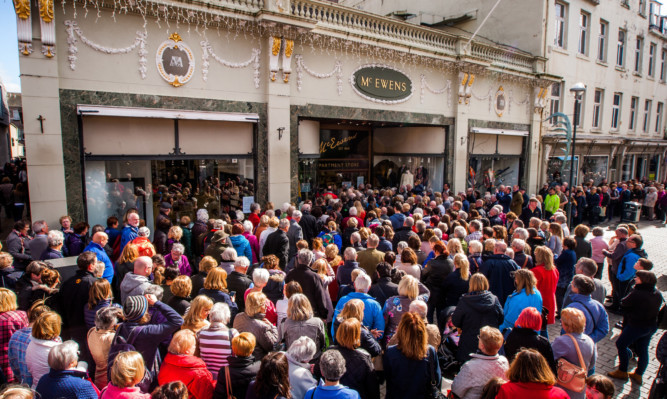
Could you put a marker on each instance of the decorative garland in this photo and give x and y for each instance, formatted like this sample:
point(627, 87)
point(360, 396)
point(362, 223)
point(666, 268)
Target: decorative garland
point(207, 51)
point(425, 86)
point(73, 30)
point(301, 67)
point(377, 100)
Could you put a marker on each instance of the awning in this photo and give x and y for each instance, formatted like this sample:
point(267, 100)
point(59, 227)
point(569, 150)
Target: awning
point(96, 110)
point(500, 132)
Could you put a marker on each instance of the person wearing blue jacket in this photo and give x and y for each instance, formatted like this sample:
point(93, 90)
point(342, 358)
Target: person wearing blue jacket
point(63, 379)
point(597, 320)
point(525, 296)
point(96, 246)
point(373, 318)
point(130, 231)
point(565, 263)
point(240, 243)
point(626, 270)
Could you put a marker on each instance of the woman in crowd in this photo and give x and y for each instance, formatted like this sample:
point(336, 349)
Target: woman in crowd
point(457, 282)
point(99, 341)
point(239, 242)
point(334, 260)
point(300, 322)
point(206, 264)
point(454, 247)
point(99, 297)
point(260, 279)
point(300, 353)
point(175, 235)
point(360, 374)
point(124, 265)
point(19, 341)
point(474, 255)
point(127, 371)
point(64, 380)
point(565, 263)
point(530, 378)
point(396, 306)
point(215, 341)
point(276, 281)
point(525, 296)
point(573, 342)
point(478, 308)
point(409, 263)
point(11, 320)
point(180, 289)
point(176, 258)
point(354, 309)
point(546, 275)
point(433, 276)
point(525, 334)
point(332, 368)
point(215, 287)
point(45, 335)
point(227, 260)
point(254, 321)
point(252, 240)
point(291, 288)
point(640, 308)
point(599, 387)
point(181, 364)
point(584, 248)
point(555, 242)
point(411, 366)
point(196, 317)
point(272, 380)
point(234, 379)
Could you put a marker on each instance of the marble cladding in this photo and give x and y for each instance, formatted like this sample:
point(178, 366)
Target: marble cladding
point(73, 153)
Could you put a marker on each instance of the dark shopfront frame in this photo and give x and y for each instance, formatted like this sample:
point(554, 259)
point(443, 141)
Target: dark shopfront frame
point(374, 116)
point(73, 152)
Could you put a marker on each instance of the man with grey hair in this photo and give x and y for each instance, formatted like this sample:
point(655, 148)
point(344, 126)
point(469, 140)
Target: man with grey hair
point(520, 233)
point(475, 231)
point(136, 282)
point(55, 239)
point(38, 245)
point(370, 257)
point(494, 219)
point(403, 233)
point(298, 355)
point(238, 281)
point(308, 224)
point(561, 219)
point(520, 257)
point(294, 233)
point(373, 318)
point(96, 246)
point(498, 270)
point(344, 274)
point(65, 380)
point(355, 240)
point(332, 368)
point(277, 243)
point(312, 285)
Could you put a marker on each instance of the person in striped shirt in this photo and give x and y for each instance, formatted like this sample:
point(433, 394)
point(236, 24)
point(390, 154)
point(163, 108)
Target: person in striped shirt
point(215, 341)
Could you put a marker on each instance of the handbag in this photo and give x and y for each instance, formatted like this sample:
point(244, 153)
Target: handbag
point(436, 393)
point(228, 382)
point(571, 376)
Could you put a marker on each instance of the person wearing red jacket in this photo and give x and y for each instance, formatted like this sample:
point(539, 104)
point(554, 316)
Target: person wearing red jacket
point(530, 378)
point(180, 364)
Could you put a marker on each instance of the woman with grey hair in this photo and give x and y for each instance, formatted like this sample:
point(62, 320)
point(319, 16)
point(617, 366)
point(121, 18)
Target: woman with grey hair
point(252, 239)
point(399, 250)
point(332, 368)
point(300, 322)
point(215, 341)
point(55, 239)
point(99, 341)
point(176, 258)
point(199, 228)
point(299, 354)
point(228, 258)
point(64, 380)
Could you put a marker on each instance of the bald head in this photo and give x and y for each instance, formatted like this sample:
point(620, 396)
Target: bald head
point(499, 248)
point(143, 266)
point(101, 238)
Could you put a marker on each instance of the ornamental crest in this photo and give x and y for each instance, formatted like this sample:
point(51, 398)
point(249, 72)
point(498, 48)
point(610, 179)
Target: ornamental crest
point(175, 61)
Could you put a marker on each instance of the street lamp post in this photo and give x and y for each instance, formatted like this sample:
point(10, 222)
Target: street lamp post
point(578, 90)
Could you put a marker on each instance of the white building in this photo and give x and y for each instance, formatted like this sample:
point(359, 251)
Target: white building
point(617, 48)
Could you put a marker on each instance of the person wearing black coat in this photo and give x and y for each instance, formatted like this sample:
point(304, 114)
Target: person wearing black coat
point(475, 310)
point(455, 287)
point(528, 338)
point(403, 233)
point(277, 243)
point(383, 288)
point(308, 224)
point(498, 270)
point(242, 370)
point(359, 374)
point(434, 275)
point(311, 284)
point(531, 211)
point(239, 282)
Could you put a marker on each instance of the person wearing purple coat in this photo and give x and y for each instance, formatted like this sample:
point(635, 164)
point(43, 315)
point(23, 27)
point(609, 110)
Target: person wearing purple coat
point(175, 258)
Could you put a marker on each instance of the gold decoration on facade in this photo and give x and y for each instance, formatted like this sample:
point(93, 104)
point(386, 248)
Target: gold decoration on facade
point(275, 48)
point(471, 80)
point(176, 83)
point(289, 48)
point(22, 8)
point(286, 77)
point(48, 51)
point(175, 37)
point(46, 10)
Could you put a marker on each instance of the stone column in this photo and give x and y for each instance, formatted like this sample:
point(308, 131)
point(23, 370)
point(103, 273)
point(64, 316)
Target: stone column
point(278, 137)
point(43, 136)
point(532, 170)
point(460, 150)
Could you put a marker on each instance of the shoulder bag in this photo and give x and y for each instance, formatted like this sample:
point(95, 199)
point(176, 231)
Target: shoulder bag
point(570, 376)
point(435, 393)
point(228, 383)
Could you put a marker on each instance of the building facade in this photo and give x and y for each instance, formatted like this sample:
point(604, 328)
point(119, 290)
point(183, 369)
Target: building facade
point(274, 99)
point(617, 48)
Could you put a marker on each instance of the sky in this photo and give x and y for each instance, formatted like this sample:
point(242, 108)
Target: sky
point(9, 55)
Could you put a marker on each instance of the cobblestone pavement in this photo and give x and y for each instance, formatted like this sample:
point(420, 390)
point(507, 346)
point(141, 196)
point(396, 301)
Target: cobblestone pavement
point(655, 240)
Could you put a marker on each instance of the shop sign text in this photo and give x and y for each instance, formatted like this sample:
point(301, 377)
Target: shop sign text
point(382, 83)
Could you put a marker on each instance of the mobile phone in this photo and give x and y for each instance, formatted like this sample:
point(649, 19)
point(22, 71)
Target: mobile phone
point(232, 293)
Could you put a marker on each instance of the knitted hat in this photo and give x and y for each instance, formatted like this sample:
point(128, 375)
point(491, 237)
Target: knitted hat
point(135, 307)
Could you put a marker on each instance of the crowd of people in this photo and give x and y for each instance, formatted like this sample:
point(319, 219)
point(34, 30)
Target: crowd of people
point(352, 294)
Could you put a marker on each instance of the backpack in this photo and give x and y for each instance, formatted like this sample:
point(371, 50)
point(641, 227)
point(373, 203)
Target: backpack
point(122, 344)
point(327, 239)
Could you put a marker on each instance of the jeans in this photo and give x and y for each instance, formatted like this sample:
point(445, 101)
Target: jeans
point(641, 337)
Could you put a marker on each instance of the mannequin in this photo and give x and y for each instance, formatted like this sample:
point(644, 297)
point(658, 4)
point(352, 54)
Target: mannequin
point(407, 178)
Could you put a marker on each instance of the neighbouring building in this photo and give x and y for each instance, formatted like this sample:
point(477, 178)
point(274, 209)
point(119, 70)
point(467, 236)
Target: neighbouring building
point(617, 48)
point(276, 99)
